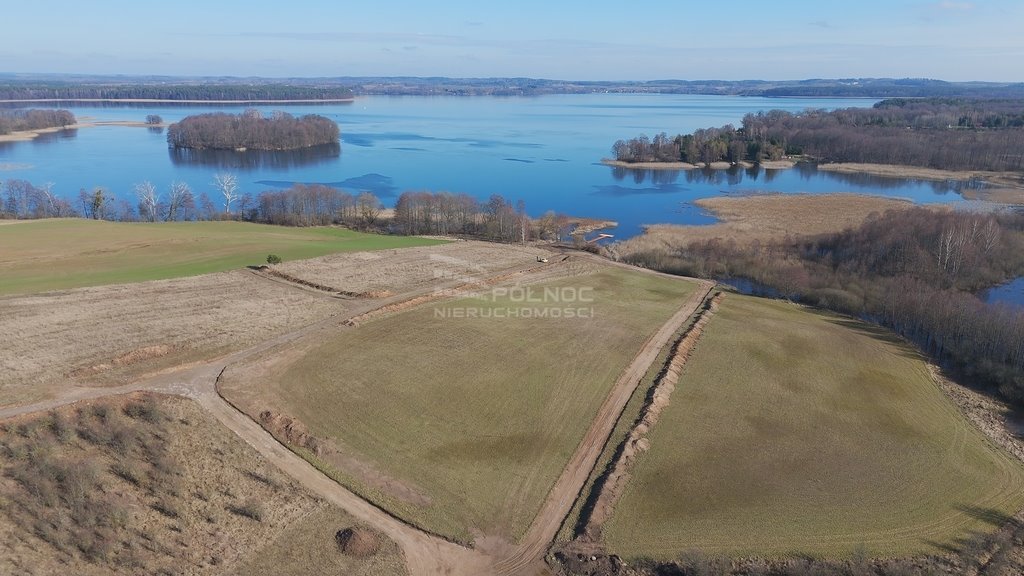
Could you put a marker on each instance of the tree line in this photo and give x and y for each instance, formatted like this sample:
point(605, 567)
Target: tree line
point(937, 133)
point(177, 92)
point(415, 213)
point(18, 120)
point(913, 271)
point(250, 130)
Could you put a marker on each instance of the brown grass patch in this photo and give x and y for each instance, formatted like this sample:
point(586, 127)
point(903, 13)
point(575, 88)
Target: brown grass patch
point(764, 217)
point(367, 274)
point(109, 335)
point(139, 484)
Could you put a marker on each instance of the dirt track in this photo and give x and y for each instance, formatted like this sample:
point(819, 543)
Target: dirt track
point(425, 554)
point(528, 555)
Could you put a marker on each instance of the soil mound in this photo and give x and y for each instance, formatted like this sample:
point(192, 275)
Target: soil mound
point(358, 542)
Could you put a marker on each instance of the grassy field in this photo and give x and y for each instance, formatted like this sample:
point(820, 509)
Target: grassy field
point(70, 253)
point(797, 432)
point(625, 424)
point(466, 423)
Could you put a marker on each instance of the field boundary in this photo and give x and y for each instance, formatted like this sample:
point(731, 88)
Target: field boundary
point(607, 490)
point(570, 484)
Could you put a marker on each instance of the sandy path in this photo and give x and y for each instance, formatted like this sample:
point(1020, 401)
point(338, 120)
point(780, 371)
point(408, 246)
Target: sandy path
point(425, 555)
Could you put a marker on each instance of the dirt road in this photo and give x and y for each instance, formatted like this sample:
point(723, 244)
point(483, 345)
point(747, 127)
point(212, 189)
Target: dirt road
point(425, 554)
point(528, 555)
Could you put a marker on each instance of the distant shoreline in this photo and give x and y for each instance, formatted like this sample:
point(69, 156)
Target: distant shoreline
point(26, 135)
point(768, 164)
point(166, 101)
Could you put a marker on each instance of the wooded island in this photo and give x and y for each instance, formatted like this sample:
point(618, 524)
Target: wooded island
point(251, 131)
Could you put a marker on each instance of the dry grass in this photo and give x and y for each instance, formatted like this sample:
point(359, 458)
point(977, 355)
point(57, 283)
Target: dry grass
point(409, 268)
point(143, 485)
point(309, 547)
point(111, 334)
point(462, 425)
point(798, 432)
point(758, 218)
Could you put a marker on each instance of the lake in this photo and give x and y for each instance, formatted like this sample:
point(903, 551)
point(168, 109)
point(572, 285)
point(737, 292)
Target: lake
point(1011, 293)
point(543, 150)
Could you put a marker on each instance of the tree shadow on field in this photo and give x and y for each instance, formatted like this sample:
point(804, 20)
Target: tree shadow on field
point(989, 516)
point(874, 332)
point(976, 539)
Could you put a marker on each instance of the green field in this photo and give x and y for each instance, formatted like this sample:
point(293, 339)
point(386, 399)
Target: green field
point(479, 416)
point(798, 432)
point(60, 254)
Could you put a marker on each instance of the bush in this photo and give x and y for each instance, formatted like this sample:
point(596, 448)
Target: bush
point(154, 119)
point(251, 508)
point(274, 259)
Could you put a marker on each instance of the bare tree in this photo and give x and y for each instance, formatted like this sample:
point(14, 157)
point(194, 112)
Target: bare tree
point(369, 208)
point(180, 195)
point(148, 199)
point(227, 184)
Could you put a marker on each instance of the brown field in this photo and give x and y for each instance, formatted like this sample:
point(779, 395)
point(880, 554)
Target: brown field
point(147, 484)
point(111, 334)
point(750, 218)
point(409, 268)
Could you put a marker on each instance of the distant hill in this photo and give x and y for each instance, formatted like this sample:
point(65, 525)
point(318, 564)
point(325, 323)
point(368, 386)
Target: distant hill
point(56, 86)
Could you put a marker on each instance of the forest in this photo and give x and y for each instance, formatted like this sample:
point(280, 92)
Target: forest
point(18, 120)
point(948, 134)
point(913, 271)
point(175, 92)
point(251, 131)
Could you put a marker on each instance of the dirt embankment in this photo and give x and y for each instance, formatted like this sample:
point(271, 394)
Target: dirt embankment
point(636, 442)
point(994, 418)
point(268, 271)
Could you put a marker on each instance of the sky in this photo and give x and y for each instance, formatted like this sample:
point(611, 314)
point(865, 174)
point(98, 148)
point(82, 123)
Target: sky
point(954, 40)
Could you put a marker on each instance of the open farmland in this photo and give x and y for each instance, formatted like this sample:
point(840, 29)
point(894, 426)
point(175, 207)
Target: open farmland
point(799, 432)
point(60, 254)
point(148, 484)
point(460, 425)
point(393, 271)
point(113, 334)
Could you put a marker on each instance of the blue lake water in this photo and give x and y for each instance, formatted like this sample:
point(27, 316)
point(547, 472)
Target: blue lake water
point(1011, 293)
point(543, 150)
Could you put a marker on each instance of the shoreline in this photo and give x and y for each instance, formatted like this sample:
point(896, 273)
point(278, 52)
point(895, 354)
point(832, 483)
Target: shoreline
point(761, 218)
point(767, 165)
point(166, 101)
point(1001, 187)
point(1004, 187)
point(28, 135)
